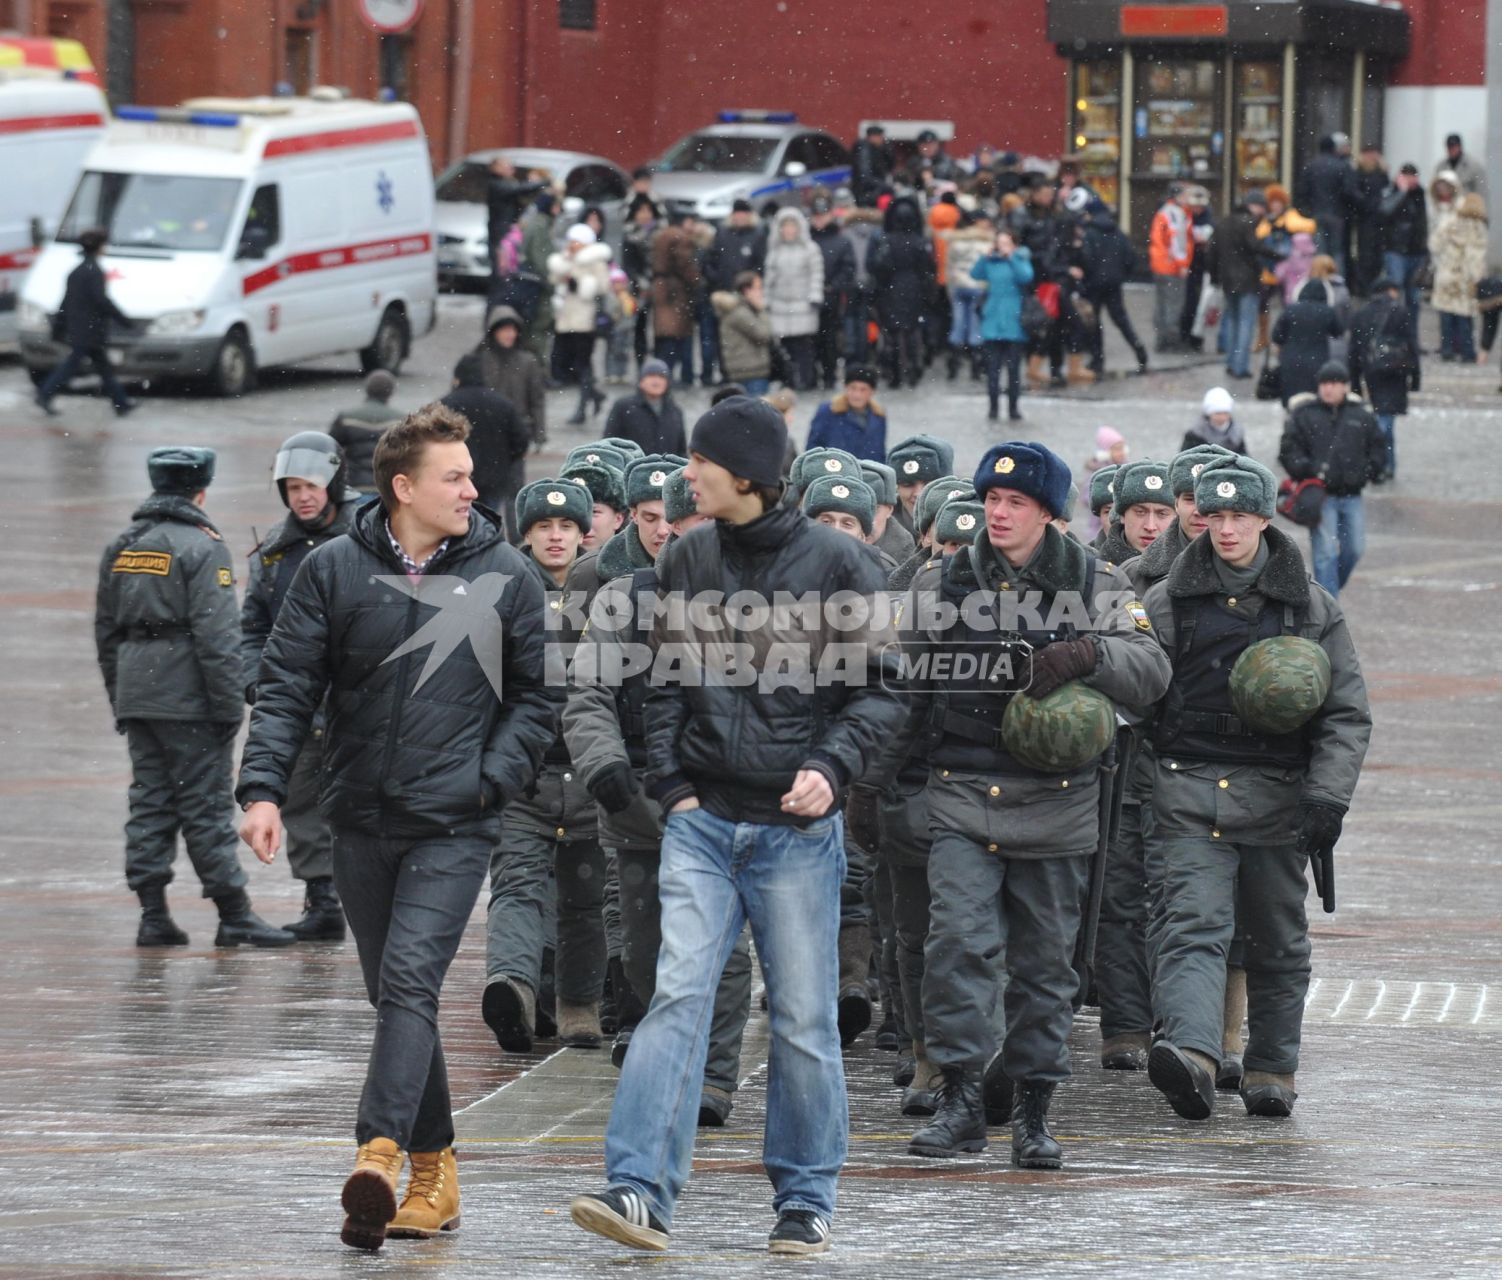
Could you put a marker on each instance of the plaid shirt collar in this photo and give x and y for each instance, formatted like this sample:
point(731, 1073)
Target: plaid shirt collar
point(408, 563)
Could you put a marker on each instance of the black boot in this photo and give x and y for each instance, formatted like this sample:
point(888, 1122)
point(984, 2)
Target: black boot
point(993, 412)
point(1141, 352)
point(952, 364)
point(1033, 1146)
point(322, 916)
point(576, 419)
point(1014, 414)
point(240, 926)
point(158, 929)
point(959, 1126)
point(996, 1093)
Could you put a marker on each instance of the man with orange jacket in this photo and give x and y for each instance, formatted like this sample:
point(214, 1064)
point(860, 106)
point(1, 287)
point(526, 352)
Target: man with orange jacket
point(1170, 251)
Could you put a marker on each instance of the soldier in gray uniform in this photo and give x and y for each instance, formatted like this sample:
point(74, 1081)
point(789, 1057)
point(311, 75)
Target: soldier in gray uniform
point(548, 863)
point(1102, 500)
point(168, 635)
point(1241, 803)
point(310, 476)
point(917, 461)
point(1012, 840)
point(605, 727)
point(887, 533)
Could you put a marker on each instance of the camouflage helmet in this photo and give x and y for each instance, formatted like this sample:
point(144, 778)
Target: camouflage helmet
point(1062, 732)
point(1278, 684)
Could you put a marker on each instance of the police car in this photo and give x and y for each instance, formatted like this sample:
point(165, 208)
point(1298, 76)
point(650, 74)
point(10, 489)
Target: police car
point(247, 232)
point(748, 155)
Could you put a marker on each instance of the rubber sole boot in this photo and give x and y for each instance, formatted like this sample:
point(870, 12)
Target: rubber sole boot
point(853, 1012)
point(369, 1196)
point(239, 926)
point(322, 917)
point(1125, 1052)
point(620, 1046)
point(997, 1093)
point(714, 1106)
point(578, 1025)
point(959, 1126)
point(1036, 376)
point(510, 1010)
point(903, 1072)
point(1228, 1074)
point(1079, 375)
point(1185, 1078)
point(1268, 1095)
point(157, 927)
point(1033, 1146)
point(431, 1204)
point(887, 1038)
point(1232, 1043)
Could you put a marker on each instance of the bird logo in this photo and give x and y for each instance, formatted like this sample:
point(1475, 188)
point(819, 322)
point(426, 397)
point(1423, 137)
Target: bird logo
point(466, 611)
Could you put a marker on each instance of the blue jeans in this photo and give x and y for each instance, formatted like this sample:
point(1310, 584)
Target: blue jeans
point(1389, 424)
point(1402, 268)
point(756, 386)
point(964, 328)
point(73, 364)
point(1457, 337)
point(1239, 324)
point(715, 875)
point(1336, 543)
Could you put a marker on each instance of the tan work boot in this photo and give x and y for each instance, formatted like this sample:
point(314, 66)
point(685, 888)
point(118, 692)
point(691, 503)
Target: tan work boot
point(1126, 1052)
point(1037, 375)
point(431, 1204)
point(1232, 1042)
point(918, 1098)
point(1264, 327)
point(370, 1194)
point(1267, 1093)
point(578, 1025)
point(853, 1011)
point(1078, 375)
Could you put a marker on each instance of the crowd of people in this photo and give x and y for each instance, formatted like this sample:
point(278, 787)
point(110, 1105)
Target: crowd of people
point(910, 852)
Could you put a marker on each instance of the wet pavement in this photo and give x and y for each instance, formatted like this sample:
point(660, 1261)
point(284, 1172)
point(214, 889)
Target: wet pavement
point(188, 1113)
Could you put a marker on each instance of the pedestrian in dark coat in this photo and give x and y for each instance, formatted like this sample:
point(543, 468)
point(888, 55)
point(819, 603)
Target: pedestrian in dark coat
point(167, 632)
point(905, 276)
point(357, 429)
point(1384, 363)
point(1302, 336)
point(498, 438)
point(1369, 185)
point(84, 321)
point(675, 283)
point(505, 197)
point(514, 371)
point(871, 166)
point(650, 416)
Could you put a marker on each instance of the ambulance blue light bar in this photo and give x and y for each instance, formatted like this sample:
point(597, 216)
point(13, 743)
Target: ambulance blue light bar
point(758, 117)
point(168, 115)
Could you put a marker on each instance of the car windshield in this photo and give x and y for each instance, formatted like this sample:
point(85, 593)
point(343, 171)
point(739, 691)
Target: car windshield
point(716, 153)
point(469, 182)
point(153, 211)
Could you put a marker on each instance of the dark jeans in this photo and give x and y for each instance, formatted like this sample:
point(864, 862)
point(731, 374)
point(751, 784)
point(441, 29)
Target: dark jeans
point(709, 340)
point(676, 353)
point(1403, 268)
point(1112, 304)
point(858, 328)
point(903, 352)
point(997, 354)
point(1457, 337)
point(827, 342)
point(407, 902)
point(800, 351)
point(72, 363)
point(182, 779)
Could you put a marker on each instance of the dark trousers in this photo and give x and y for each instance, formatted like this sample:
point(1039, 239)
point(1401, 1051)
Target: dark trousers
point(800, 351)
point(73, 362)
point(309, 846)
point(709, 339)
point(1026, 910)
point(641, 940)
point(903, 853)
point(181, 780)
point(575, 358)
point(407, 902)
point(858, 327)
point(676, 353)
point(1121, 949)
point(997, 355)
point(1112, 304)
point(903, 350)
point(827, 342)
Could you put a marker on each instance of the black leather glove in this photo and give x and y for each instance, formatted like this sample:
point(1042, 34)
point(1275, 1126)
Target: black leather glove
point(1318, 826)
point(1060, 662)
point(614, 787)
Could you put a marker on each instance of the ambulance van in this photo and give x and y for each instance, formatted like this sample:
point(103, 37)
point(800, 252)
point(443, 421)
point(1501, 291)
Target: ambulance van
point(246, 233)
point(48, 121)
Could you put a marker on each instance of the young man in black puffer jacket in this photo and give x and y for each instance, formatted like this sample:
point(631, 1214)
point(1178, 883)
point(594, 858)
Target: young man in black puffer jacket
point(750, 767)
point(425, 631)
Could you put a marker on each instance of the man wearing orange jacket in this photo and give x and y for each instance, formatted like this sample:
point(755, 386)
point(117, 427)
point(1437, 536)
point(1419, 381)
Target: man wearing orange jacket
point(1170, 251)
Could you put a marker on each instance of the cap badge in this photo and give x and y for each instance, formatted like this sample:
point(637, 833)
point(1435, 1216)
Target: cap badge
point(965, 522)
point(1005, 466)
point(1226, 489)
point(833, 465)
point(1153, 482)
point(556, 498)
point(1196, 469)
point(840, 490)
point(657, 477)
point(910, 467)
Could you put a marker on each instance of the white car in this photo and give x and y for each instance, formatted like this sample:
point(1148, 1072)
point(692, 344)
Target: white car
point(463, 216)
point(748, 155)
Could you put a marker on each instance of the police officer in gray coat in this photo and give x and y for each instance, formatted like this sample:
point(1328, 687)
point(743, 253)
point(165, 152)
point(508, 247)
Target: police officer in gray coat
point(168, 637)
point(310, 475)
point(1012, 843)
point(1238, 806)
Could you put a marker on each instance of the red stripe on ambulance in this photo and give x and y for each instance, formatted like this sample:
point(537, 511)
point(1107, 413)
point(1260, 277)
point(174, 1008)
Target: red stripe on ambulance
point(328, 259)
point(36, 124)
point(337, 138)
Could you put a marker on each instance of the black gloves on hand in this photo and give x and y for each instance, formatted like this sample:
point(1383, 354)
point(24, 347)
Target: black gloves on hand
point(1060, 662)
point(1318, 827)
point(614, 788)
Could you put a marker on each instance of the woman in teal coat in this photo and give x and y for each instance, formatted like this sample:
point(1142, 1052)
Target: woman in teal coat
point(1007, 273)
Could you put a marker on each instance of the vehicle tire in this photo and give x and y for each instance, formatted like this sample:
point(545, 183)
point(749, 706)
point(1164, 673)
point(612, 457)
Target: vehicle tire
point(389, 347)
point(234, 371)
